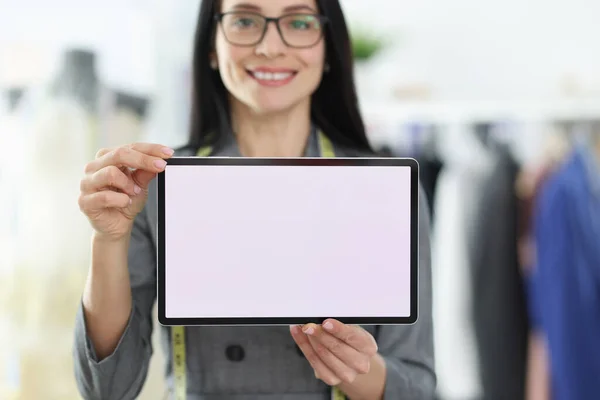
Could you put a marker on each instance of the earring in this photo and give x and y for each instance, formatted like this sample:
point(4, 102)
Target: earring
point(214, 64)
point(326, 68)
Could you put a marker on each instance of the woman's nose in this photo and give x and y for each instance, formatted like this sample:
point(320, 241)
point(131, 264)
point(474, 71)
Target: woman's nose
point(272, 44)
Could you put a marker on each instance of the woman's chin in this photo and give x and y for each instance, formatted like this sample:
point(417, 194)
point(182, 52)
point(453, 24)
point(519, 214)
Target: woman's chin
point(271, 107)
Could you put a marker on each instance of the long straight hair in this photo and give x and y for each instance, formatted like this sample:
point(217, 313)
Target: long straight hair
point(334, 105)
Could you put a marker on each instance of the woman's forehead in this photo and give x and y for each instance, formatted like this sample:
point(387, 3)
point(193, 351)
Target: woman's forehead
point(270, 7)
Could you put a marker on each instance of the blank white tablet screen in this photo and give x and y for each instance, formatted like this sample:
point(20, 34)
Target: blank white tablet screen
point(287, 241)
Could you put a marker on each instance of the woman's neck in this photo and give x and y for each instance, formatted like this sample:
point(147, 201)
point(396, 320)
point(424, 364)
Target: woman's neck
point(280, 135)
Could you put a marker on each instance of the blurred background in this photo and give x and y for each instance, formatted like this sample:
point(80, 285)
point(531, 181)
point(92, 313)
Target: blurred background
point(491, 98)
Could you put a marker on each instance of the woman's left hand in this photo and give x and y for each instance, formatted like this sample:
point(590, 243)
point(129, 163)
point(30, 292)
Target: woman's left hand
point(337, 352)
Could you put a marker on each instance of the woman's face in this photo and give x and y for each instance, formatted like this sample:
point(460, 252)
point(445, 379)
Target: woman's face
point(270, 76)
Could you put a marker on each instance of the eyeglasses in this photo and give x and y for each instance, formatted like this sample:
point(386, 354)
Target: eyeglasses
point(242, 28)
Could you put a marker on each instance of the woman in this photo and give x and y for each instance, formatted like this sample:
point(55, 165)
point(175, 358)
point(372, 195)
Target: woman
point(260, 89)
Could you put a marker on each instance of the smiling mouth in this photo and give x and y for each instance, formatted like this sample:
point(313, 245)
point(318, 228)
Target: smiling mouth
point(272, 78)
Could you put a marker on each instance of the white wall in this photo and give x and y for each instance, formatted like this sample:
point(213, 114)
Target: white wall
point(503, 49)
point(120, 31)
point(465, 49)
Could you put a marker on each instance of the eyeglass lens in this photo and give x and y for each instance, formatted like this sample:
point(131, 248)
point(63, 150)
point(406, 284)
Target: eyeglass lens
point(299, 30)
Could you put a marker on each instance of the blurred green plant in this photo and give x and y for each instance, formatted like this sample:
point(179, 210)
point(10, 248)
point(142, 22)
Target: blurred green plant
point(365, 44)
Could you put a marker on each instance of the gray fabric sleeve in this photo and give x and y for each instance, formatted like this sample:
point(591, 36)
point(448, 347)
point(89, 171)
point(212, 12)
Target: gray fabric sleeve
point(408, 350)
point(122, 374)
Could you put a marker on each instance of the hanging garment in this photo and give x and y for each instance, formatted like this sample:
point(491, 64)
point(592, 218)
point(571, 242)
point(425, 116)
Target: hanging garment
point(499, 306)
point(458, 187)
point(566, 279)
point(430, 169)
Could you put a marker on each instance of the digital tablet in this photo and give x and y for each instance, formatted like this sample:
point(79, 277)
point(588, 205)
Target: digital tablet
point(282, 241)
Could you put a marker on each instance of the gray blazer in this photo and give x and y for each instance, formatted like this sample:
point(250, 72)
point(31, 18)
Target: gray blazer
point(265, 362)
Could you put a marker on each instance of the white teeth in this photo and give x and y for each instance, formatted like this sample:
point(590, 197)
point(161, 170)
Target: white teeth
point(268, 76)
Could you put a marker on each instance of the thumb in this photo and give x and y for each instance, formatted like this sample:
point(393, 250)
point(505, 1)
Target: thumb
point(143, 178)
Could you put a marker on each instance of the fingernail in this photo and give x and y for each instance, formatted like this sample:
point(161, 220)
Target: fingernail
point(160, 164)
point(168, 151)
point(328, 325)
point(137, 189)
point(293, 329)
point(309, 331)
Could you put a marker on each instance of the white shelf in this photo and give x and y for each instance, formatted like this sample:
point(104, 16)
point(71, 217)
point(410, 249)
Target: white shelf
point(469, 112)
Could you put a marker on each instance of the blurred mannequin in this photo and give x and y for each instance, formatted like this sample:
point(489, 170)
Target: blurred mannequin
point(61, 126)
point(117, 116)
point(78, 79)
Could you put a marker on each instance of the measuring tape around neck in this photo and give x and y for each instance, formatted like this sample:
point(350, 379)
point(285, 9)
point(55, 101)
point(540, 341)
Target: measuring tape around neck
point(178, 332)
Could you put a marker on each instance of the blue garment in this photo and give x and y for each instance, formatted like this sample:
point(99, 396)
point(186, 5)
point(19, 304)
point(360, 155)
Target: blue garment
point(566, 282)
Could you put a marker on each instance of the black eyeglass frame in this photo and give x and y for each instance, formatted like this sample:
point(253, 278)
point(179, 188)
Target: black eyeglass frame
point(322, 19)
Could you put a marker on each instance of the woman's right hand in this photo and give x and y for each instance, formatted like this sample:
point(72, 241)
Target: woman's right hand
point(115, 186)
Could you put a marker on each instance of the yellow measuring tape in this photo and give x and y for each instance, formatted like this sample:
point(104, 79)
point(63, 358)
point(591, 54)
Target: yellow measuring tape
point(178, 332)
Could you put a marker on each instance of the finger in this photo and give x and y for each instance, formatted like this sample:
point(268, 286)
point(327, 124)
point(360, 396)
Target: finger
point(359, 362)
point(151, 149)
point(353, 335)
point(143, 178)
point(104, 199)
point(337, 366)
point(146, 148)
point(104, 151)
point(321, 370)
point(109, 177)
point(149, 157)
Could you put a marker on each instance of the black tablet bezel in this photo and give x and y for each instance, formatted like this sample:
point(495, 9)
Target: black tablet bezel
point(304, 161)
